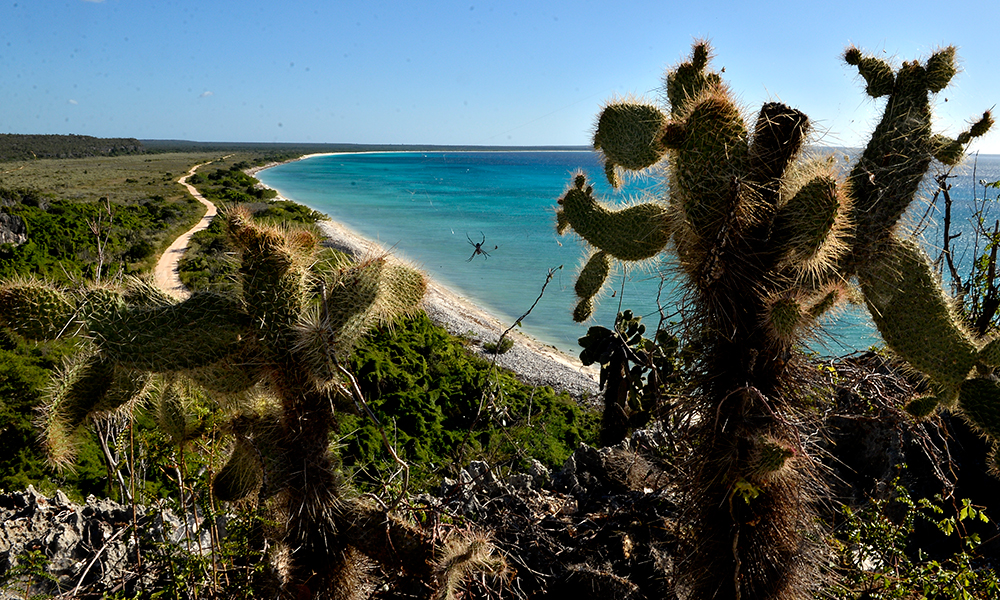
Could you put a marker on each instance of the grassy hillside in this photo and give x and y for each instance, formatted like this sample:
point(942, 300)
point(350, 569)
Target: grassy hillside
point(116, 213)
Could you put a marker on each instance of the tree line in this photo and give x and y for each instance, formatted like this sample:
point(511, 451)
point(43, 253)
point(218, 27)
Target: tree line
point(15, 146)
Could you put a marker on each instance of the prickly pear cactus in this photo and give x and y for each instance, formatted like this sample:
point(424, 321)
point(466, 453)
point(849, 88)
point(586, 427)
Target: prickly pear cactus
point(284, 334)
point(769, 240)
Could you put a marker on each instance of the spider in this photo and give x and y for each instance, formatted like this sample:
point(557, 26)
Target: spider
point(478, 247)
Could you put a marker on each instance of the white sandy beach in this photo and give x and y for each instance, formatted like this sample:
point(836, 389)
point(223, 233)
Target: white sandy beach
point(533, 361)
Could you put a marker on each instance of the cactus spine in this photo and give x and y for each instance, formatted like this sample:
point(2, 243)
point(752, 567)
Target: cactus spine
point(768, 241)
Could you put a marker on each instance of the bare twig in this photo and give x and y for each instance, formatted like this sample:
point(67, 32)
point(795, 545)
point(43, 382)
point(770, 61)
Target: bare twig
point(500, 340)
point(359, 400)
point(100, 551)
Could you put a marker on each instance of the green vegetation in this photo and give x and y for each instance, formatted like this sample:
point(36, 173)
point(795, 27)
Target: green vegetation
point(874, 561)
point(27, 147)
point(73, 240)
point(227, 186)
point(25, 370)
point(129, 346)
point(122, 179)
point(208, 262)
point(422, 379)
point(109, 214)
point(500, 347)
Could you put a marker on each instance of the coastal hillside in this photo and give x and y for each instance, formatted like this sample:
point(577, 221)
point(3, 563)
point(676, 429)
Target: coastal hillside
point(444, 467)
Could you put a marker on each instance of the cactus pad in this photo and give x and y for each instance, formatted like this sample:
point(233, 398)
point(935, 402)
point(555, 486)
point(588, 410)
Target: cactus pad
point(979, 401)
point(198, 331)
point(35, 310)
point(628, 133)
point(913, 314)
point(633, 233)
point(240, 476)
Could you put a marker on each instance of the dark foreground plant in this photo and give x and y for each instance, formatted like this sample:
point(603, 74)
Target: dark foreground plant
point(768, 242)
point(273, 354)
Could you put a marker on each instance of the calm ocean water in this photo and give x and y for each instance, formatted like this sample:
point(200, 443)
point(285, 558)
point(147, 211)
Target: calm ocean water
point(427, 206)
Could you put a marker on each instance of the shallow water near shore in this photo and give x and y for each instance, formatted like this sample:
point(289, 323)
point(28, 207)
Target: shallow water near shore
point(432, 207)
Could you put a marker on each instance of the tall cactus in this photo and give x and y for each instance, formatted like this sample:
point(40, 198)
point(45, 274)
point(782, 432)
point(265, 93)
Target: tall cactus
point(769, 240)
point(283, 336)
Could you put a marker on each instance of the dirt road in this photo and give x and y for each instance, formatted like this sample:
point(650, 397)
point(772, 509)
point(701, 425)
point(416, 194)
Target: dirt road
point(166, 275)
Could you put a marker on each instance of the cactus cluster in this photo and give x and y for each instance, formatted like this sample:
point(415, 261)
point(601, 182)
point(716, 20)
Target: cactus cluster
point(271, 349)
point(769, 239)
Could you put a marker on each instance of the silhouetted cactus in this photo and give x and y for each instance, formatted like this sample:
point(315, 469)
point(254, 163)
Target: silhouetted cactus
point(768, 242)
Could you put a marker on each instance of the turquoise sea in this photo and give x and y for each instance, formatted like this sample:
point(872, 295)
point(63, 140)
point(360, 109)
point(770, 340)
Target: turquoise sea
point(428, 206)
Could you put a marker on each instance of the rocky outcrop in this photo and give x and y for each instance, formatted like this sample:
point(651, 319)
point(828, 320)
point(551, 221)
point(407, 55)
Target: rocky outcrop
point(50, 545)
point(12, 229)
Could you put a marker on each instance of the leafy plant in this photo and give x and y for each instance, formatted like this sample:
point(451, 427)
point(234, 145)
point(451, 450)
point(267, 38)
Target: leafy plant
point(635, 372)
point(501, 347)
point(29, 566)
point(422, 380)
point(62, 243)
point(875, 559)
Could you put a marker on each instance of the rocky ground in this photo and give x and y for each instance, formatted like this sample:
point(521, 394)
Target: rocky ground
point(52, 546)
point(607, 524)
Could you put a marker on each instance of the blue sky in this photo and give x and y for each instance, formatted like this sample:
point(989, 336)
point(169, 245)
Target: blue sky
point(442, 72)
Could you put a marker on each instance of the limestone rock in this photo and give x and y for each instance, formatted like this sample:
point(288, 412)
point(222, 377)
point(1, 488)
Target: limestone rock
point(12, 229)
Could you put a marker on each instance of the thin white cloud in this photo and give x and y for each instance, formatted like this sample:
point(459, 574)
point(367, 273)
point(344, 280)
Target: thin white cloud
point(72, 101)
point(206, 94)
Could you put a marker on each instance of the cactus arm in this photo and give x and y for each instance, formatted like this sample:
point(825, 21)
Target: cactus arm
point(808, 231)
point(274, 275)
point(979, 401)
point(240, 476)
point(371, 293)
point(711, 152)
point(778, 137)
point(236, 372)
point(201, 330)
point(951, 151)
point(877, 73)
point(914, 316)
point(85, 385)
point(690, 80)
point(989, 354)
point(885, 179)
point(35, 310)
point(629, 135)
point(589, 284)
point(635, 233)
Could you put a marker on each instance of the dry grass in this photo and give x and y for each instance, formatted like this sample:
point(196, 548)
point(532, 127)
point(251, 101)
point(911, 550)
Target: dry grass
point(122, 179)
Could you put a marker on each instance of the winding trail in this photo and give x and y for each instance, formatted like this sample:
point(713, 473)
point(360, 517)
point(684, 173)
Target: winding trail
point(166, 274)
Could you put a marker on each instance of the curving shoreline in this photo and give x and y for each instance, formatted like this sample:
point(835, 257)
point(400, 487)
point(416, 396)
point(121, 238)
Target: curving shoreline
point(533, 362)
